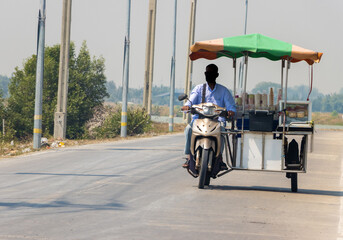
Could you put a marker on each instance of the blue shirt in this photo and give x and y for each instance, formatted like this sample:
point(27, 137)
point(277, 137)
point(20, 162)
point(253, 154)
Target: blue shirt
point(220, 96)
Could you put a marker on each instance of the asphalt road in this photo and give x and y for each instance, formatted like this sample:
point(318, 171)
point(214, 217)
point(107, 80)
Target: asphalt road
point(136, 189)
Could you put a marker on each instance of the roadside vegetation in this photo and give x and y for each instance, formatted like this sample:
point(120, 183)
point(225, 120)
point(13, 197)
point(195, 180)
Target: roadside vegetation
point(109, 124)
point(102, 127)
point(89, 118)
point(86, 90)
point(333, 118)
point(22, 146)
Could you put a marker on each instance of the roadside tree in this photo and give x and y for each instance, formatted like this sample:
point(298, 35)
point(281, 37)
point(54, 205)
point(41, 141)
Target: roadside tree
point(85, 91)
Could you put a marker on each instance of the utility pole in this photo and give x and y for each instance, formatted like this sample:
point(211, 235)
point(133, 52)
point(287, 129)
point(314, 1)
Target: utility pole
point(172, 75)
point(189, 68)
point(149, 56)
point(37, 129)
point(241, 66)
point(60, 122)
point(123, 129)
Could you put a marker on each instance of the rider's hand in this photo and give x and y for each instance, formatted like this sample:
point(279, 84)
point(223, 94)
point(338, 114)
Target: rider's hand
point(185, 108)
point(230, 114)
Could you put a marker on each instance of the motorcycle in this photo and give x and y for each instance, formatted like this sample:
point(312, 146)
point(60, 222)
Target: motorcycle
point(206, 142)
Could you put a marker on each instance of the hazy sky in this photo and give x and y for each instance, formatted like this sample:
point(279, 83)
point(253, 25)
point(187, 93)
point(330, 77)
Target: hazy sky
point(312, 24)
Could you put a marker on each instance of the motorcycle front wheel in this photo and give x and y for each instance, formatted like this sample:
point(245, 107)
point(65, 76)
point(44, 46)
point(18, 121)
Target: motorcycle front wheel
point(204, 176)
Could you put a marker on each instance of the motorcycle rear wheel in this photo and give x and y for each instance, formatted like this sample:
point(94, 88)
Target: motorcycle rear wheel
point(204, 176)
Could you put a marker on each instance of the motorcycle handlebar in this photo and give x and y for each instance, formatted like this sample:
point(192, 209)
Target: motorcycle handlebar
point(223, 114)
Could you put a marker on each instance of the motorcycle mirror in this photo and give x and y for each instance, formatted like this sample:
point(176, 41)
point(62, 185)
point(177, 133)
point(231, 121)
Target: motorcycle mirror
point(182, 97)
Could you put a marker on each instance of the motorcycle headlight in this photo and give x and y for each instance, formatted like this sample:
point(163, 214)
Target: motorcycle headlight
point(208, 110)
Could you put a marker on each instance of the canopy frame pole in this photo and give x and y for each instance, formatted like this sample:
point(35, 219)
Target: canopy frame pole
point(234, 65)
point(282, 67)
point(308, 99)
point(286, 84)
point(234, 77)
point(243, 109)
point(284, 115)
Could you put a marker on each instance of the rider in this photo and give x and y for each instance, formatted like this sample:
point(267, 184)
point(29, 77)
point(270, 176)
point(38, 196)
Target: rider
point(215, 93)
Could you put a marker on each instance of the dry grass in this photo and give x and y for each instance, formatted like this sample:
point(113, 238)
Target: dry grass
point(327, 119)
point(15, 148)
point(164, 127)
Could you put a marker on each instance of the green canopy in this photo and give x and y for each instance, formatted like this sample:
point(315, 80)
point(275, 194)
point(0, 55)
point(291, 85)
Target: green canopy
point(256, 46)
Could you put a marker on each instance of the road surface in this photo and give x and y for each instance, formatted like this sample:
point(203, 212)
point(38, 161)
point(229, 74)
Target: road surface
point(136, 189)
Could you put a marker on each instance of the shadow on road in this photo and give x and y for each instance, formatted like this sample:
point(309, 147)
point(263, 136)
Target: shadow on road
point(273, 189)
point(71, 174)
point(62, 204)
point(144, 149)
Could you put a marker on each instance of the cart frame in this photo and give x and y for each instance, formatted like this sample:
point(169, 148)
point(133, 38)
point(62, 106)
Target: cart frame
point(290, 173)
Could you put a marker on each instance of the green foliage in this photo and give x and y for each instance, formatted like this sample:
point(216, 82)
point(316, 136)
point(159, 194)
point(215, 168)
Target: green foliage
point(317, 104)
point(334, 113)
point(4, 81)
point(138, 122)
point(111, 126)
point(86, 90)
point(329, 103)
point(9, 132)
point(112, 92)
point(2, 111)
point(21, 101)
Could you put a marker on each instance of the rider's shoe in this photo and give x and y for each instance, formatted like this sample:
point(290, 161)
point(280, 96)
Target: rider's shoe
point(189, 169)
point(186, 164)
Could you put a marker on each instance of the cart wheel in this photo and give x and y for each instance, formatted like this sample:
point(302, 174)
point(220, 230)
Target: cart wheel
point(294, 182)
